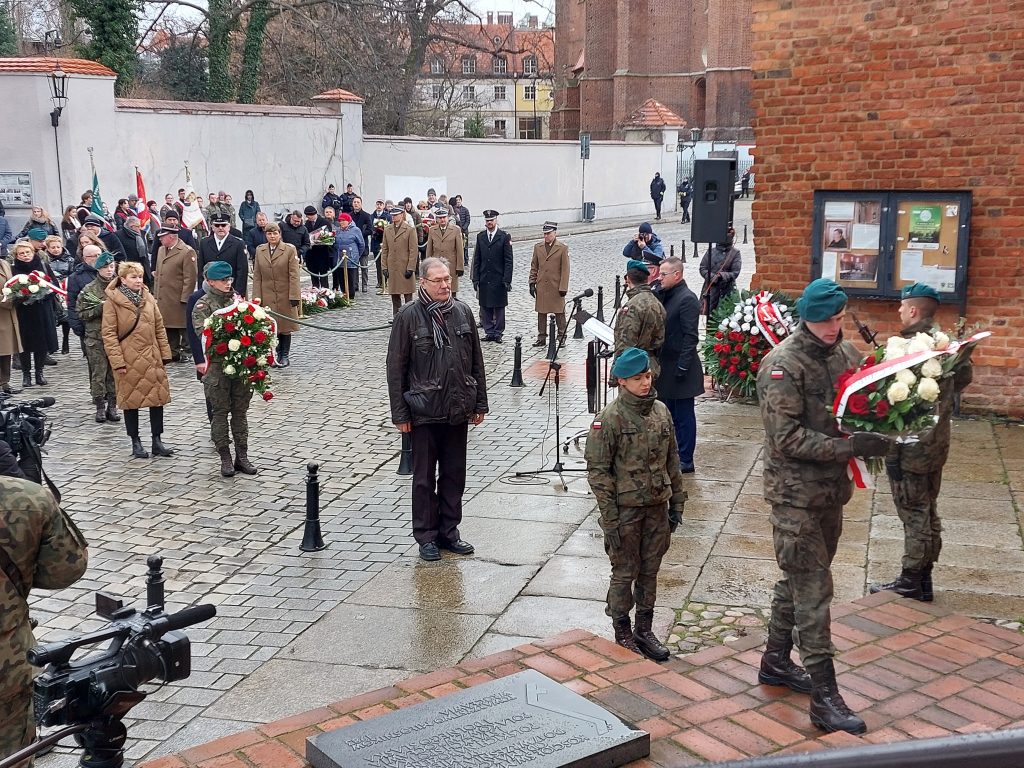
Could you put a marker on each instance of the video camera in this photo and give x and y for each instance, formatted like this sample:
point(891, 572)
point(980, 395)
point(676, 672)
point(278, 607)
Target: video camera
point(90, 696)
point(25, 428)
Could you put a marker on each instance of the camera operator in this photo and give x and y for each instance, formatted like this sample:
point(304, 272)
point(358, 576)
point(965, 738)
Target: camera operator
point(40, 548)
point(645, 246)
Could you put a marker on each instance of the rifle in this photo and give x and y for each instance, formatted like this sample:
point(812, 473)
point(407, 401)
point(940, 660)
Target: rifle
point(866, 333)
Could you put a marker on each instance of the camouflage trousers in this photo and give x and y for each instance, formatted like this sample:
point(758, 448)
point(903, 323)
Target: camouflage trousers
point(227, 396)
point(101, 378)
point(644, 536)
point(17, 726)
point(805, 543)
point(915, 496)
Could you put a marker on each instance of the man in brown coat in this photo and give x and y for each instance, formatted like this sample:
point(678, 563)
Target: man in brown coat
point(445, 242)
point(174, 281)
point(399, 255)
point(549, 282)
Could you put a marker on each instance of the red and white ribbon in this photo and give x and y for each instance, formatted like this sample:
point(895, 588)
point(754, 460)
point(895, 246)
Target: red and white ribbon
point(767, 317)
point(15, 283)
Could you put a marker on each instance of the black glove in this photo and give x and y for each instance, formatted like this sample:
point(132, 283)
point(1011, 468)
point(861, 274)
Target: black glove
point(868, 444)
point(458, 273)
point(893, 469)
point(612, 540)
point(562, 293)
point(533, 290)
point(408, 274)
point(294, 302)
point(476, 286)
point(385, 273)
point(675, 517)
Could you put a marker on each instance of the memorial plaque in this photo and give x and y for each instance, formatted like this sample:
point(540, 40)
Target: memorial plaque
point(525, 720)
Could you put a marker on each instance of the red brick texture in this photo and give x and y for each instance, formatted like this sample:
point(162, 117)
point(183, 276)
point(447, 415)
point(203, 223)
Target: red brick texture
point(958, 676)
point(892, 96)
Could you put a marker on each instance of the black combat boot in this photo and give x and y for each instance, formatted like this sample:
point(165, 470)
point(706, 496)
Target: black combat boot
point(828, 710)
point(111, 413)
point(101, 409)
point(778, 668)
point(624, 635)
point(646, 640)
point(907, 584)
point(242, 463)
point(40, 379)
point(138, 451)
point(159, 449)
point(927, 590)
point(227, 467)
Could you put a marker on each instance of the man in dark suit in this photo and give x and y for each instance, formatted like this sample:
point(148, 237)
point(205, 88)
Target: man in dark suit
point(136, 248)
point(682, 377)
point(173, 221)
point(223, 246)
point(492, 274)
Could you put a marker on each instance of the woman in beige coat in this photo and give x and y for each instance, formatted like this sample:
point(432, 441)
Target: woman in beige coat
point(136, 345)
point(275, 282)
point(10, 339)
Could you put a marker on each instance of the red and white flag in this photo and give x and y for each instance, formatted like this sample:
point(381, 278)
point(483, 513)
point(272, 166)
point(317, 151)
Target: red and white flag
point(141, 210)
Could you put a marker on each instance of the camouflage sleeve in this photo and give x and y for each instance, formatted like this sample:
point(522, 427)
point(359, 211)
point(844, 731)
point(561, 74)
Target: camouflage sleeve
point(200, 312)
point(782, 406)
point(675, 476)
point(627, 327)
point(600, 455)
point(63, 553)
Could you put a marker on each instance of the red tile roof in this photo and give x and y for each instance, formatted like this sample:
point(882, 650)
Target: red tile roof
point(48, 64)
point(338, 94)
point(654, 114)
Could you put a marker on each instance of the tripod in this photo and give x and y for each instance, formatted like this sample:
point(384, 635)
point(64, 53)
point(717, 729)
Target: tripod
point(554, 367)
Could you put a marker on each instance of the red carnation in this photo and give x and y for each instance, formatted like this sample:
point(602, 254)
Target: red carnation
point(252, 377)
point(222, 348)
point(858, 404)
point(260, 375)
point(246, 341)
point(268, 396)
point(249, 319)
point(882, 408)
point(719, 335)
point(33, 277)
point(754, 366)
point(732, 369)
point(250, 361)
point(24, 291)
point(743, 374)
point(723, 361)
point(738, 348)
point(229, 327)
point(734, 360)
point(260, 337)
point(270, 359)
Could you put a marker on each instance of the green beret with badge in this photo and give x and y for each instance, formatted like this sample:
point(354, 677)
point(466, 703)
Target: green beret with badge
point(822, 299)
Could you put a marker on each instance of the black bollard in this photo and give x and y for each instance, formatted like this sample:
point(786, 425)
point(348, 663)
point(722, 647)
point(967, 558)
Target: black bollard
point(405, 458)
point(682, 251)
point(744, 234)
point(517, 365)
point(671, 251)
point(618, 292)
point(695, 251)
point(155, 582)
point(600, 303)
point(312, 540)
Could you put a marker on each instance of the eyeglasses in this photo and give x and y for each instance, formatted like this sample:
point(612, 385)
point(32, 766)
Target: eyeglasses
point(220, 225)
point(439, 280)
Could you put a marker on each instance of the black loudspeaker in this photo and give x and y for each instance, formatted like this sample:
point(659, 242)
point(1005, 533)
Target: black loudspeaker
point(713, 182)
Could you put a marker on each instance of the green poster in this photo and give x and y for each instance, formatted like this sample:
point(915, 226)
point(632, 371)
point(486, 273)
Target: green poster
point(925, 223)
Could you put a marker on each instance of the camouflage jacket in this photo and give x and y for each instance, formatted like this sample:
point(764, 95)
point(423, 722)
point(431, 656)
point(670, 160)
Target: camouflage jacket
point(805, 457)
point(641, 324)
point(48, 552)
point(632, 458)
point(205, 306)
point(930, 452)
point(90, 306)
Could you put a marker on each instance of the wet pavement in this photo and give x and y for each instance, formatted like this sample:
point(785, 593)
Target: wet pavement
point(296, 631)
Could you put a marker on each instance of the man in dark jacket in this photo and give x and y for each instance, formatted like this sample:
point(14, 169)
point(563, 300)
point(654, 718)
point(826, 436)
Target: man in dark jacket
point(223, 246)
point(172, 221)
point(295, 233)
point(682, 377)
point(657, 194)
point(135, 247)
point(379, 219)
point(437, 387)
point(256, 236)
point(491, 274)
point(720, 267)
point(331, 199)
point(82, 275)
point(364, 223)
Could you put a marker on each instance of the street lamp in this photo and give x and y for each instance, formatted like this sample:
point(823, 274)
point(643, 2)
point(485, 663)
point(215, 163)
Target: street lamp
point(515, 105)
point(58, 82)
point(536, 133)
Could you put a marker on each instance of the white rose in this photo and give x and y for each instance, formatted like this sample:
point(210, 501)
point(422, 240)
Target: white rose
point(745, 327)
point(33, 289)
point(941, 340)
point(229, 369)
point(734, 325)
point(917, 345)
point(928, 389)
point(723, 325)
point(754, 330)
point(22, 279)
point(7, 291)
point(207, 322)
point(259, 313)
point(783, 308)
point(898, 392)
point(242, 306)
point(906, 376)
point(931, 369)
point(234, 345)
point(261, 360)
point(895, 346)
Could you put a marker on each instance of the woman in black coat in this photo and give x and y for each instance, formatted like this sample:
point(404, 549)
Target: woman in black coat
point(36, 321)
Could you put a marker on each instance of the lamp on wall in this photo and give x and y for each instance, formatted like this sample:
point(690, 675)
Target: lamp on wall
point(694, 138)
point(515, 105)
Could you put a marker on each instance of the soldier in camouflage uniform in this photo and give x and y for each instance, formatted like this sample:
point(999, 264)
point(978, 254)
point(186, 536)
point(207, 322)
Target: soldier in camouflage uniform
point(89, 309)
point(805, 480)
point(225, 394)
point(633, 468)
point(641, 321)
point(39, 548)
point(915, 469)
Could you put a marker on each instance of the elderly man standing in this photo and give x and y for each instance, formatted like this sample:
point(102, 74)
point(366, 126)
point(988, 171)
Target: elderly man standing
point(175, 280)
point(437, 387)
point(549, 282)
point(399, 255)
point(445, 242)
point(492, 275)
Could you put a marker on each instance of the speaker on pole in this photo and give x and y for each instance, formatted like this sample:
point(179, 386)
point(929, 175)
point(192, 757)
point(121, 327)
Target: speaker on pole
point(713, 182)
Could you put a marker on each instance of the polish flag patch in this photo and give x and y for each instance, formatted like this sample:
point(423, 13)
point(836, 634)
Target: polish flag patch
point(596, 425)
point(778, 374)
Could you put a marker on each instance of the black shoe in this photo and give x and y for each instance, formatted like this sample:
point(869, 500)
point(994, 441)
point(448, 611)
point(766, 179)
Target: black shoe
point(26, 378)
point(646, 640)
point(111, 413)
point(497, 340)
point(101, 409)
point(459, 547)
point(686, 469)
point(828, 711)
point(138, 451)
point(40, 379)
point(429, 552)
point(624, 635)
point(227, 466)
point(907, 584)
point(15, 363)
point(48, 360)
point(540, 343)
point(6, 389)
point(159, 449)
point(487, 338)
point(285, 361)
point(778, 668)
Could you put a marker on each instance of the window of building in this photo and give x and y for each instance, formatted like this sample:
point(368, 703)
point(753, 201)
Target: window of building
point(436, 92)
point(530, 65)
point(504, 18)
point(528, 128)
point(499, 65)
point(499, 93)
point(437, 65)
point(500, 126)
point(468, 65)
point(469, 92)
point(530, 92)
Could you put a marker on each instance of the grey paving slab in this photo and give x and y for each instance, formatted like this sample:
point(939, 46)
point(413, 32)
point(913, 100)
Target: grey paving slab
point(511, 502)
point(516, 542)
point(494, 642)
point(535, 616)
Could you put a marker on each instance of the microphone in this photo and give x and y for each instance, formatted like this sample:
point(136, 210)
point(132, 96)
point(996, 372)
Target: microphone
point(585, 295)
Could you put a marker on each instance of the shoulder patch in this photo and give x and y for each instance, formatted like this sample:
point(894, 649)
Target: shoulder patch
point(778, 373)
point(596, 425)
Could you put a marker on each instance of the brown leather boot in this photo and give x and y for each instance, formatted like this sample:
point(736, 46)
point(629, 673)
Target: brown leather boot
point(624, 635)
point(242, 463)
point(227, 467)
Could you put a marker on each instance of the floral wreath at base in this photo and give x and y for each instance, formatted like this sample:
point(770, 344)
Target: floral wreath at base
point(319, 300)
point(744, 328)
point(242, 338)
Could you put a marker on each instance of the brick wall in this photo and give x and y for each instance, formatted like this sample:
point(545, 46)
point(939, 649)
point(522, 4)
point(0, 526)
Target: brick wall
point(875, 95)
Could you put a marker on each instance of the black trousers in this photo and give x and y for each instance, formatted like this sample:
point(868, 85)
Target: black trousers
point(438, 481)
point(657, 206)
point(156, 421)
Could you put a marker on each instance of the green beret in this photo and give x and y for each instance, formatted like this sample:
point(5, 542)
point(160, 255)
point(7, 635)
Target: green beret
point(37, 233)
point(637, 264)
point(217, 270)
point(103, 259)
point(821, 300)
point(630, 362)
point(919, 291)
